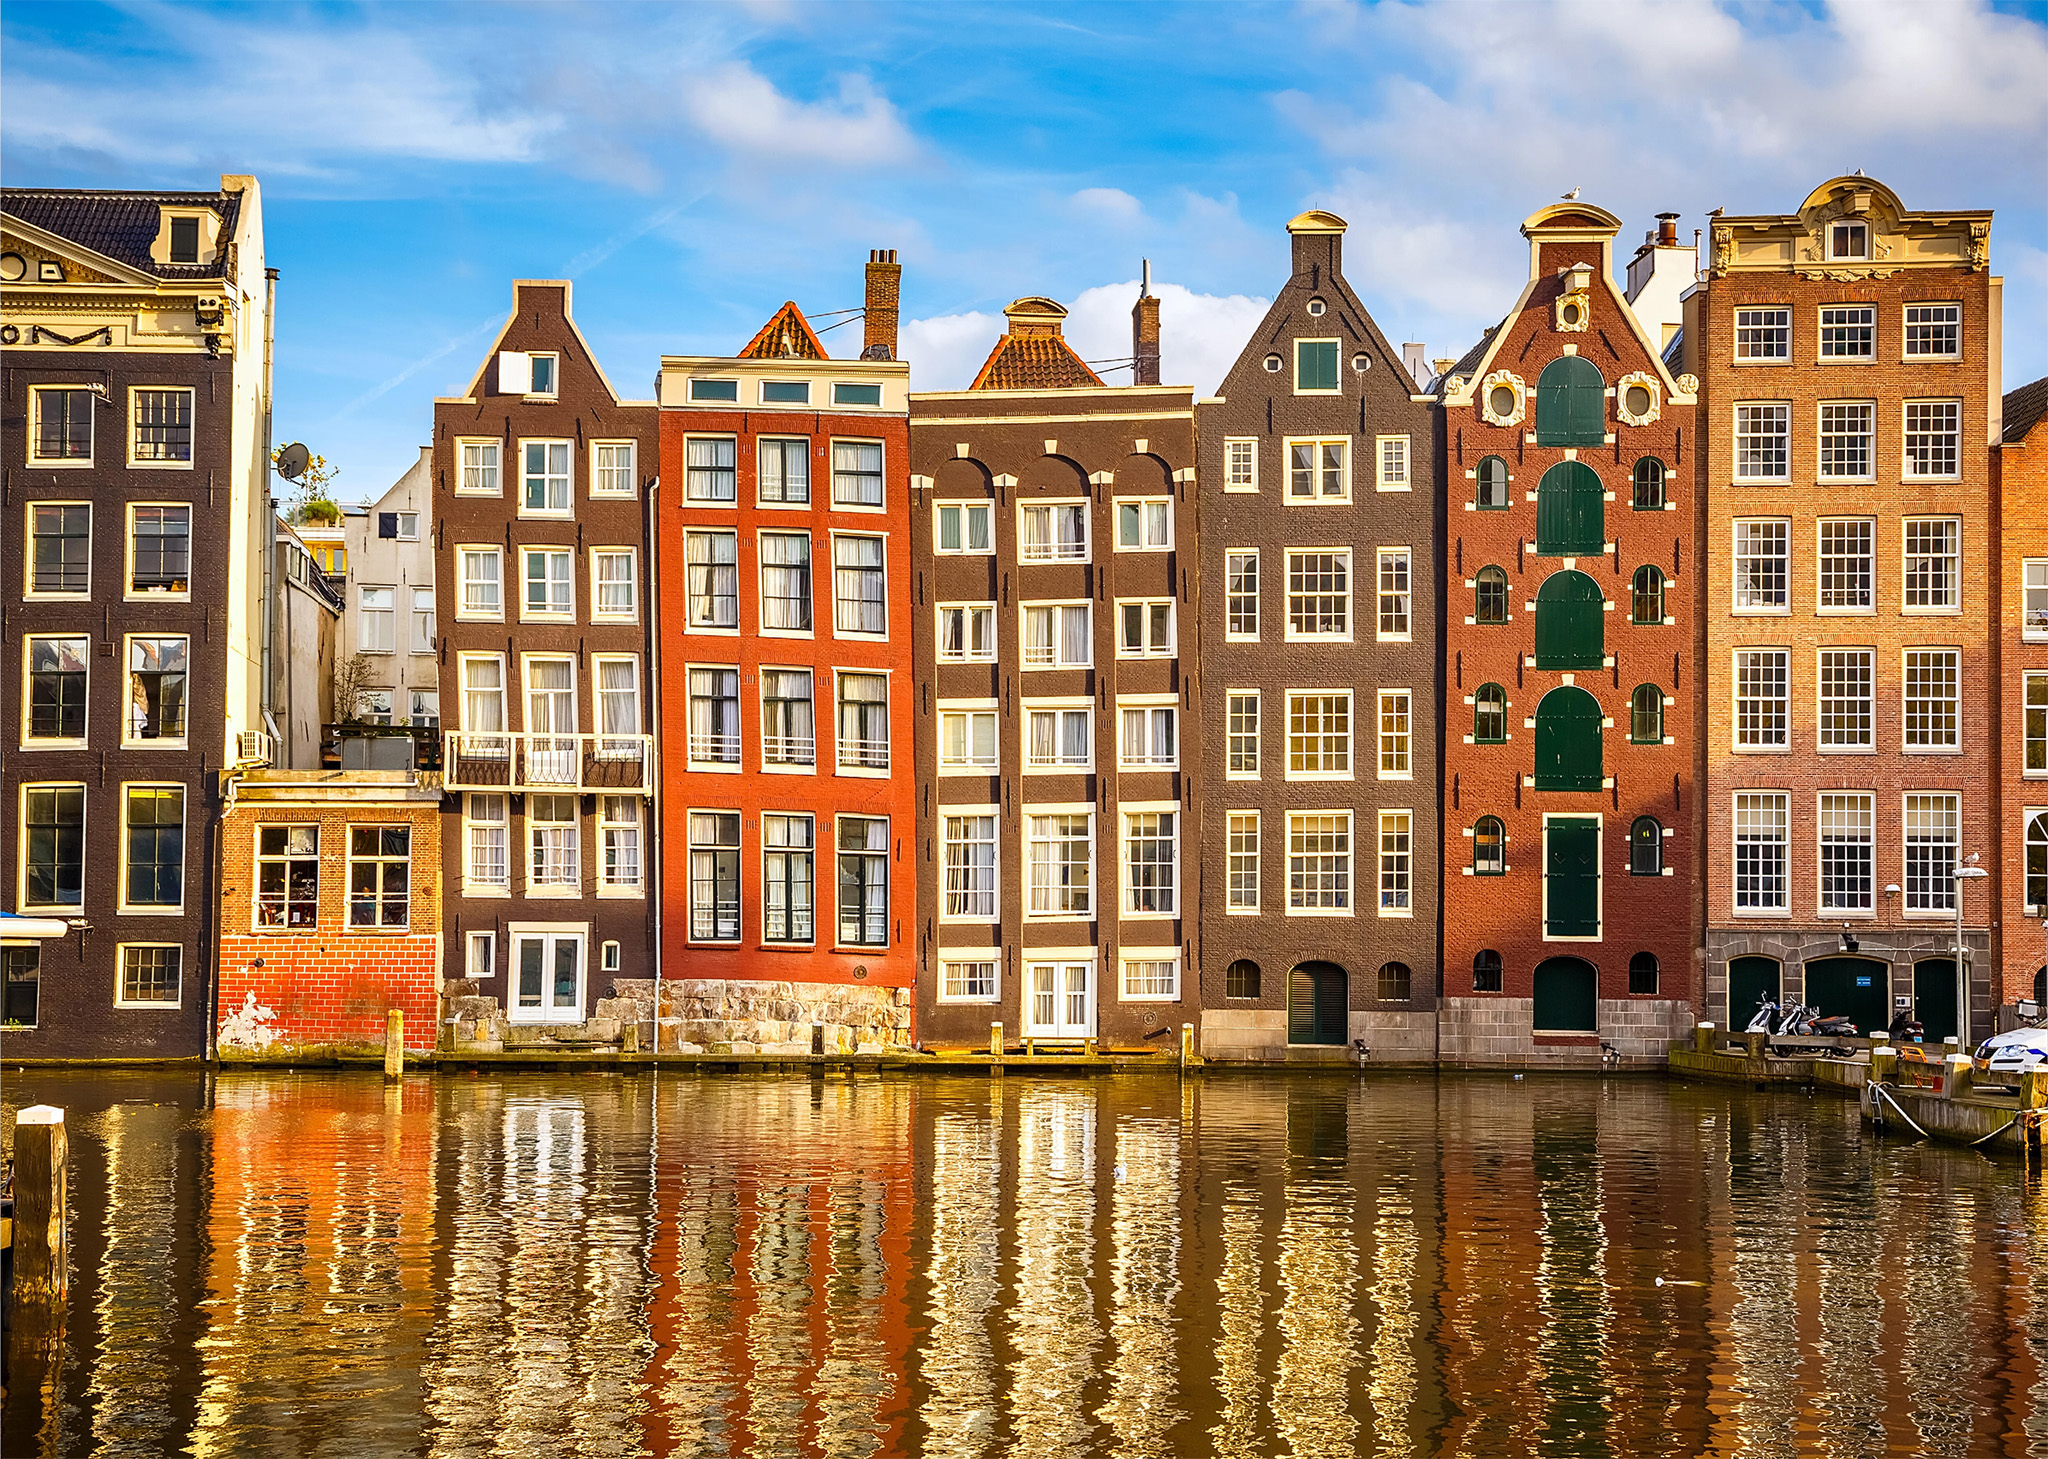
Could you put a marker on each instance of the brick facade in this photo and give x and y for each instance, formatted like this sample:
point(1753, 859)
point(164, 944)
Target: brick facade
point(2021, 467)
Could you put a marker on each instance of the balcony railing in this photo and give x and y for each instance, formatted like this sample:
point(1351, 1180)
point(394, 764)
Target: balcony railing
point(789, 749)
point(863, 754)
point(477, 760)
point(710, 749)
point(363, 746)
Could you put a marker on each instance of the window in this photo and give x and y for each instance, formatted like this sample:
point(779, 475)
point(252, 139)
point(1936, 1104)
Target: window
point(618, 836)
point(1490, 715)
point(1144, 629)
point(1144, 526)
point(1318, 471)
point(1845, 433)
point(1053, 533)
point(155, 818)
point(1396, 734)
point(61, 548)
point(1646, 715)
point(554, 844)
point(1397, 868)
point(785, 392)
point(726, 391)
point(1761, 819)
point(156, 688)
point(544, 375)
point(1571, 405)
point(287, 876)
point(967, 633)
point(1933, 550)
point(424, 708)
point(1846, 698)
point(481, 568)
point(2034, 599)
point(712, 575)
point(857, 473)
point(857, 586)
point(1846, 826)
point(1319, 861)
point(714, 716)
point(788, 856)
point(2034, 709)
point(1933, 331)
point(1490, 596)
point(1396, 595)
point(1393, 464)
point(53, 846)
point(1933, 437)
point(1763, 566)
point(1058, 738)
point(971, 867)
point(375, 706)
point(785, 470)
point(1059, 849)
point(479, 469)
point(714, 876)
point(863, 881)
point(1242, 734)
point(1241, 595)
point(612, 470)
point(1932, 676)
point(863, 722)
point(615, 575)
point(184, 240)
point(2036, 890)
point(1848, 333)
point(965, 529)
point(1647, 494)
point(486, 862)
point(149, 974)
point(1315, 367)
point(1491, 494)
point(788, 719)
point(1489, 847)
point(1642, 973)
point(1151, 872)
point(21, 968)
point(56, 687)
point(785, 582)
point(547, 478)
point(1761, 698)
point(163, 425)
point(1240, 465)
point(550, 588)
point(1848, 240)
point(483, 695)
point(967, 982)
point(1319, 594)
point(711, 472)
point(1646, 596)
point(1846, 558)
point(380, 875)
point(160, 550)
point(1395, 983)
point(63, 428)
point(1646, 847)
point(967, 739)
point(1933, 829)
point(1057, 635)
point(1153, 978)
point(1763, 442)
point(1486, 971)
point(1148, 738)
point(1319, 735)
point(422, 640)
point(376, 620)
point(1763, 334)
point(1242, 872)
point(844, 393)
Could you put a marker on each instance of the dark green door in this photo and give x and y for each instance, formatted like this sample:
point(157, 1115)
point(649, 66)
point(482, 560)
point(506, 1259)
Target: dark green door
point(1857, 988)
point(1571, 517)
point(1750, 980)
point(1571, 403)
point(1934, 997)
point(1571, 877)
point(1567, 995)
point(1570, 622)
point(1568, 740)
point(1316, 1004)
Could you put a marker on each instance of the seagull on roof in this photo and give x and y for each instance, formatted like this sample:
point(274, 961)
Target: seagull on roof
point(1568, 197)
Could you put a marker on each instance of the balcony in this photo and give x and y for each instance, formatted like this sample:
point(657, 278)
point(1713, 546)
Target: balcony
point(475, 760)
point(362, 746)
point(863, 754)
point(789, 749)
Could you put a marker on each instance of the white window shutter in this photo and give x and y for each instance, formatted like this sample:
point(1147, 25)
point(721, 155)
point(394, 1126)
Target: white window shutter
point(515, 372)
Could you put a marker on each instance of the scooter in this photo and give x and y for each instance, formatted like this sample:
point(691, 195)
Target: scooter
point(1906, 1028)
point(1766, 1014)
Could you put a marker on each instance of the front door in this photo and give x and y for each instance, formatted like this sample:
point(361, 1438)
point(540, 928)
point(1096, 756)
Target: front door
point(1059, 1000)
point(547, 977)
point(1934, 997)
point(1318, 1004)
point(1751, 980)
point(1567, 996)
point(1858, 988)
point(1571, 877)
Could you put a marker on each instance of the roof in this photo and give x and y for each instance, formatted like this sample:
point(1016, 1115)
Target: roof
point(1469, 361)
point(1033, 362)
point(2022, 408)
point(121, 225)
point(788, 336)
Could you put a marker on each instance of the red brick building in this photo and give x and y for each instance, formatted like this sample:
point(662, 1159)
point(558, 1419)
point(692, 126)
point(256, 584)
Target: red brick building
point(1571, 607)
point(2020, 466)
point(784, 657)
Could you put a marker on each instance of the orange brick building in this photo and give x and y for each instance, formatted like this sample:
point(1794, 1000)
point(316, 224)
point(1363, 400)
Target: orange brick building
point(2021, 468)
point(330, 908)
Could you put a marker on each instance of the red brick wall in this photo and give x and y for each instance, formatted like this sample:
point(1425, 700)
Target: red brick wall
point(2022, 470)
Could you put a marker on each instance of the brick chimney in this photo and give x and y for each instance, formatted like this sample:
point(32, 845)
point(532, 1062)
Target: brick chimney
point(1318, 246)
point(885, 288)
point(1145, 333)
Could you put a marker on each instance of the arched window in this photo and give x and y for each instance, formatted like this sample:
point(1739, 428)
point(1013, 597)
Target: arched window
point(1396, 983)
point(1490, 715)
point(1571, 512)
point(2037, 865)
point(1571, 404)
point(1646, 715)
point(1492, 478)
point(1642, 973)
point(1649, 485)
point(1646, 847)
point(1568, 740)
point(1241, 979)
point(1490, 596)
point(1486, 971)
point(1489, 847)
point(1570, 622)
point(1646, 595)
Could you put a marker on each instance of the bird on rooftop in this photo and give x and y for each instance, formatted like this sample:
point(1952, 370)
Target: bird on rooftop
point(1572, 194)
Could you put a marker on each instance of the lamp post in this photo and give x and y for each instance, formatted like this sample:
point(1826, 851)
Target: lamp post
point(1963, 874)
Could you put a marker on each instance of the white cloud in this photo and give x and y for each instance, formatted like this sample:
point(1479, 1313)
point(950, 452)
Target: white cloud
point(738, 106)
point(1111, 204)
point(945, 351)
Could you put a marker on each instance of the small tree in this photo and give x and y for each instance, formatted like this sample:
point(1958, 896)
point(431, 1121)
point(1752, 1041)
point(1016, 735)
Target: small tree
point(313, 503)
point(351, 678)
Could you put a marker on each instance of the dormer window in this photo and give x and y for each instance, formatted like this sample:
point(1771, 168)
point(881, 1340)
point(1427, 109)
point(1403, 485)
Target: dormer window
point(184, 240)
point(543, 375)
point(1849, 240)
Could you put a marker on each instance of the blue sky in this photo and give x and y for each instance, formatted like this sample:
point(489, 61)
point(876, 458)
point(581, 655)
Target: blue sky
point(691, 167)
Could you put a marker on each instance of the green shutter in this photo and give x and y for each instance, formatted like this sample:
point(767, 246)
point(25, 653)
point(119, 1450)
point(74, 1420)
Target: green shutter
point(1315, 364)
point(1571, 404)
point(1317, 1002)
point(1571, 513)
point(1571, 880)
point(1568, 740)
point(1570, 622)
point(1567, 995)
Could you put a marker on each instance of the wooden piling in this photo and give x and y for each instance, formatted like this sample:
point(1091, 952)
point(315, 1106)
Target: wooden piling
point(2034, 1089)
point(1703, 1038)
point(1958, 1076)
point(1187, 1044)
point(394, 1044)
point(41, 1204)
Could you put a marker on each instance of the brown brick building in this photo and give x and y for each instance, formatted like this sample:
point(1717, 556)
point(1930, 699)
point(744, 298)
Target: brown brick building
point(2021, 745)
point(1848, 353)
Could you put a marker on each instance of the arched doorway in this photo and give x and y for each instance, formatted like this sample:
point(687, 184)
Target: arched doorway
point(1571, 512)
point(1751, 980)
point(1318, 1001)
point(1570, 622)
point(1934, 997)
point(1571, 403)
point(1567, 996)
point(1857, 988)
point(1568, 740)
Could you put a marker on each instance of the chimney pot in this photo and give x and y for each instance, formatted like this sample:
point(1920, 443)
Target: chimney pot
point(884, 293)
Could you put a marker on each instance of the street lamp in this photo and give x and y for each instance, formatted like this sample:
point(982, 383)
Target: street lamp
point(1963, 874)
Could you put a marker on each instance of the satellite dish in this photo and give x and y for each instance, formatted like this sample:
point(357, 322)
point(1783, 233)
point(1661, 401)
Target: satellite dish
point(292, 461)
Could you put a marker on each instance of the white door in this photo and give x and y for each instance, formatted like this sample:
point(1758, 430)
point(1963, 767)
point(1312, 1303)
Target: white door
point(551, 721)
point(1059, 999)
point(547, 977)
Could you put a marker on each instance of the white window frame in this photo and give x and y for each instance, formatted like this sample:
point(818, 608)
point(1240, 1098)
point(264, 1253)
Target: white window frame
point(768, 849)
point(568, 477)
point(1056, 553)
point(138, 462)
point(1943, 906)
point(384, 617)
point(121, 952)
point(598, 450)
point(1129, 958)
point(1907, 324)
point(129, 592)
point(888, 882)
point(1396, 705)
point(1741, 554)
point(2032, 714)
point(610, 825)
point(531, 823)
point(841, 747)
point(1822, 700)
point(29, 741)
point(1241, 464)
point(1909, 459)
point(1144, 506)
point(858, 634)
point(1344, 556)
point(1147, 613)
point(490, 460)
point(971, 713)
point(789, 766)
point(35, 416)
point(1150, 705)
point(131, 740)
point(1350, 736)
point(1783, 701)
point(1127, 889)
point(967, 610)
point(761, 566)
point(1349, 890)
point(554, 372)
point(951, 958)
point(1826, 356)
point(1782, 810)
point(1953, 557)
point(482, 967)
point(842, 504)
point(1843, 413)
point(463, 661)
point(1405, 558)
point(1395, 472)
point(693, 741)
point(1233, 700)
point(550, 614)
point(1848, 226)
point(85, 861)
point(947, 814)
point(1827, 818)
point(1315, 497)
point(1781, 412)
point(1338, 388)
point(188, 863)
point(474, 825)
point(1953, 745)
point(1086, 811)
point(1061, 706)
point(1822, 557)
point(464, 612)
point(1059, 608)
point(1396, 868)
point(690, 499)
point(1235, 560)
point(1776, 329)
point(550, 935)
point(377, 928)
point(967, 511)
point(2034, 599)
point(598, 612)
point(1241, 840)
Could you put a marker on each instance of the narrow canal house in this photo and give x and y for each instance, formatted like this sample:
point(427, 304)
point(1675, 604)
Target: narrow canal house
point(1057, 743)
point(1571, 586)
point(133, 336)
point(2021, 741)
point(542, 480)
point(1849, 357)
point(783, 538)
point(1319, 681)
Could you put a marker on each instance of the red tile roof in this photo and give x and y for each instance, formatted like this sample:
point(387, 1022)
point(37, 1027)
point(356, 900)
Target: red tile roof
point(788, 336)
point(1033, 362)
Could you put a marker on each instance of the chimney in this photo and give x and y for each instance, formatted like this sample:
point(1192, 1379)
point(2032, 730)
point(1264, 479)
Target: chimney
point(1443, 366)
point(1318, 246)
point(1667, 230)
point(885, 287)
point(1145, 333)
point(1415, 359)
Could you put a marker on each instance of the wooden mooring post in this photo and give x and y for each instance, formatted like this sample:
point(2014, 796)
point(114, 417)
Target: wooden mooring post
point(41, 1206)
point(394, 1044)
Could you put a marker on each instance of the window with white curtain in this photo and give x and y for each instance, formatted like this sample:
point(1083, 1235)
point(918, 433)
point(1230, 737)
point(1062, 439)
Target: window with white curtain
point(863, 721)
point(1060, 850)
point(550, 587)
point(859, 605)
point(967, 633)
point(376, 620)
point(547, 479)
point(483, 695)
point(618, 705)
point(711, 472)
point(1053, 532)
point(613, 473)
point(967, 739)
point(970, 866)
point(479, 469)
point(1149, 740)
point(1057, 738)
point(615, 572)
point(785, 582)
point(857, 473)
point(552, 842)
point(712, 579)
point(484, 823)
point(789, 734)
point(863, 881)
point(422, 620)
point(1151, 863)
point(1057, 635)
point(785, 470)
point(482, 570)
point(618, 830)
point(788, 866)
point(714, 716)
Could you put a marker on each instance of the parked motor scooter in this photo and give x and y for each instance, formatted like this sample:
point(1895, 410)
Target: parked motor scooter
point(1906, 1028)
point(1766, 1015)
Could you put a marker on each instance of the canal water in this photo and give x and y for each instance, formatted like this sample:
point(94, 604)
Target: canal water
point(316, 1264)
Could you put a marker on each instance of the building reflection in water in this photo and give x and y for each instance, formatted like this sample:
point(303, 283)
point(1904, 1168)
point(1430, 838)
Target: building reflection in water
point(1050, 1301)
point(1145, 1222)
point(956, 1362)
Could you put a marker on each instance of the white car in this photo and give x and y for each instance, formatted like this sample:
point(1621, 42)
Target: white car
point(2003, 1057)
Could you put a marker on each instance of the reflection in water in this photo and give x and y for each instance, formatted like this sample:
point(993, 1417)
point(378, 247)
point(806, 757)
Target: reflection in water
point(662, 1264)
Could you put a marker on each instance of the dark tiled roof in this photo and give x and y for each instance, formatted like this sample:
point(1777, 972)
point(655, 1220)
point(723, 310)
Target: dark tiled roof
point(788, 336)
point(1033, 362)
point(119, 225)
point(2022, 408)
point(1469, 361)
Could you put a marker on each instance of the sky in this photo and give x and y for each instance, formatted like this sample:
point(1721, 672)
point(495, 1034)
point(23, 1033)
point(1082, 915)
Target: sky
point(691, 167)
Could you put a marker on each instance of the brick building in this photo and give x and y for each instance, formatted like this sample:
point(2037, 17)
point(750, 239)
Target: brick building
point(1849, 354)
point(1056, 741)
point(1572, 585)
point(1319, 680)
point(783, 539)
point(2021, 743)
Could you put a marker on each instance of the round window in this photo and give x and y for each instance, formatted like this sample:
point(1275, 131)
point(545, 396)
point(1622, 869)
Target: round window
point(1637, 399)
point(1272, 364)
point(1316, 306)
point(1572, 314)
point(1361, 361)
point(1502, 401)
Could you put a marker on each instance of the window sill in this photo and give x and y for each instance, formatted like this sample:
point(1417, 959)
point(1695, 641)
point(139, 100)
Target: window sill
point(1845, 749)
point(990, 1002)
point(714, 767)
point(30, 746)
point(968, 772)
point(377, 931)
point(1759, 749)
point(1930, 749)
point(621, 894)
point(1319, 912)
point(164, 744)
point(485, 891)
point(849, 635)
point(156, 1007)
point(1396, 913)
point(564, 620)
point(1130, 916)
point(553, 894)
point(159, 465)
point(768, 506)
point(1088, 769)
point(1318, 501)
point(1240, 911)
point(127, 911)
point(479, 617)
point(990, 660)
point(859, 949)
point(863, 772)
point(1148, 997)
point(777, 768)
point(35, 597)
point(34, 464)
point(1312, 777)
point(609, 620)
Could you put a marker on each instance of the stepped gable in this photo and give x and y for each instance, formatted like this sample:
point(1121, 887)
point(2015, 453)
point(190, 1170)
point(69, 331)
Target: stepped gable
point(1034, 355)
point(121, 225)
point(788, 336)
